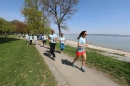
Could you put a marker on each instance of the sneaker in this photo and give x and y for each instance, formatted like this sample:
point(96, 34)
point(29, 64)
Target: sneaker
point(73, 64)
point(51, 55)
point(61, 51)
point(54, 58)
point(82, 69)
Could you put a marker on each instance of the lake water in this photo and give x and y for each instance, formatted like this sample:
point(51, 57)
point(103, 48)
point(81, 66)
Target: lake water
point(114, 42)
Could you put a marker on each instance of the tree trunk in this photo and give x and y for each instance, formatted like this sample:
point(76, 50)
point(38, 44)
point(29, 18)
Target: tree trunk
point(59, 29)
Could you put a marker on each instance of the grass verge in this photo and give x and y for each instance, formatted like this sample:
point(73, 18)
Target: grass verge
point(22, 65)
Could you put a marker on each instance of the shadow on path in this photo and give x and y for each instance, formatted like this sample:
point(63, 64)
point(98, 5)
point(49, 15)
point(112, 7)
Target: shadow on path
point(48, 51)
point(57, 51)
point(47, 47)
point(78, 68)
point(48, 55)
point(67, 62)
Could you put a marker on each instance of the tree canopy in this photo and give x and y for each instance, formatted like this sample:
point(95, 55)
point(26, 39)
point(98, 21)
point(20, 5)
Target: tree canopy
point(6, 26)
point(35, 20)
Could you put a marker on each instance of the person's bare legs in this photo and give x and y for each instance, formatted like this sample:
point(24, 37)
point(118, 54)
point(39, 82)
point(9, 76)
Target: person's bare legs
point(83, 62)
point(77, 57)
point(84, 59)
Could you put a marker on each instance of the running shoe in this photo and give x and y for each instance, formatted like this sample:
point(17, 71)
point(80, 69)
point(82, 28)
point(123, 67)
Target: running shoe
point(73, 64)
point(82, 69)
point(54, 58)
point(51, 55)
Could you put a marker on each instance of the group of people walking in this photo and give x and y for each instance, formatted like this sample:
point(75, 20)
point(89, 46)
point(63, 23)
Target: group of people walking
point(30, 38)
point(52, 38)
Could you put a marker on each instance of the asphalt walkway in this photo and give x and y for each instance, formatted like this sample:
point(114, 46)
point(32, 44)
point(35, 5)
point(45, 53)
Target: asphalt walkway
point(66, 75)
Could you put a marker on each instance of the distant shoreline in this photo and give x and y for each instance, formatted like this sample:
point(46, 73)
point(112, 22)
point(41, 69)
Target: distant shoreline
point(117, 35)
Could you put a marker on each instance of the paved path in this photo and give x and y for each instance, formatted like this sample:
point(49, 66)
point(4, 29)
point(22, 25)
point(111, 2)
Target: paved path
point(66, 75)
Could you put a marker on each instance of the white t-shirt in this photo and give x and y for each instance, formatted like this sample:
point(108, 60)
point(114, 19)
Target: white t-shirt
point(27, 36)
point(62, 39)
point(81, 41)
point(52, 38)
point(30, 37)
point(35, 37)
point(44, 37)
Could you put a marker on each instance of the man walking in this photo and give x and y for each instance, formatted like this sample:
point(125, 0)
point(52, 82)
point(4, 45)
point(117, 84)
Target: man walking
point(52, 39)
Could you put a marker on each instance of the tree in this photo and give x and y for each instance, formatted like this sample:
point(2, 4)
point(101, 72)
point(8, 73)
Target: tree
point(60, 11)
point(2, 22)
point(12, 27)
point(20, 26)
point(14, 21)
point(33, 16)
point(6, 26)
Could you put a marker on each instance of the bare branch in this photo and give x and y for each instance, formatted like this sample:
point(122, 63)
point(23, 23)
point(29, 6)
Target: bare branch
point(59, 10)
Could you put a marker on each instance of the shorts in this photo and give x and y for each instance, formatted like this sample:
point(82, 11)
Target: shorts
point(79, 53)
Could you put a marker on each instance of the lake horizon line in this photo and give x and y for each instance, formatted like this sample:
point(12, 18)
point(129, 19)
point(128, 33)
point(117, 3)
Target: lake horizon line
point(103, 35)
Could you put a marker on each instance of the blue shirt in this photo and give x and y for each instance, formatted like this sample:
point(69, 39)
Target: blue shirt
point(52, 38)
point(82, 42)
point(40, 37)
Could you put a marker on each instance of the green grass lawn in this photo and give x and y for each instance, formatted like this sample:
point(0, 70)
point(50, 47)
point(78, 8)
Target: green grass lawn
point(119, 71)
point(22, 65)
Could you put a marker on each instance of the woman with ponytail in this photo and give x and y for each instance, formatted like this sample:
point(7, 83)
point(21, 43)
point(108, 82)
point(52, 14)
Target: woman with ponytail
point(81, 49)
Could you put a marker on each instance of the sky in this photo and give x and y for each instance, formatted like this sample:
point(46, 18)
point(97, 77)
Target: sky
point(94, 16)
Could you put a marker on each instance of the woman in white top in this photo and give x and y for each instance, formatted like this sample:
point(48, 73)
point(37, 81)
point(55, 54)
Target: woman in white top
point(35, 39)
point(62, 42)
point(27, 38)
point(81, 49)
